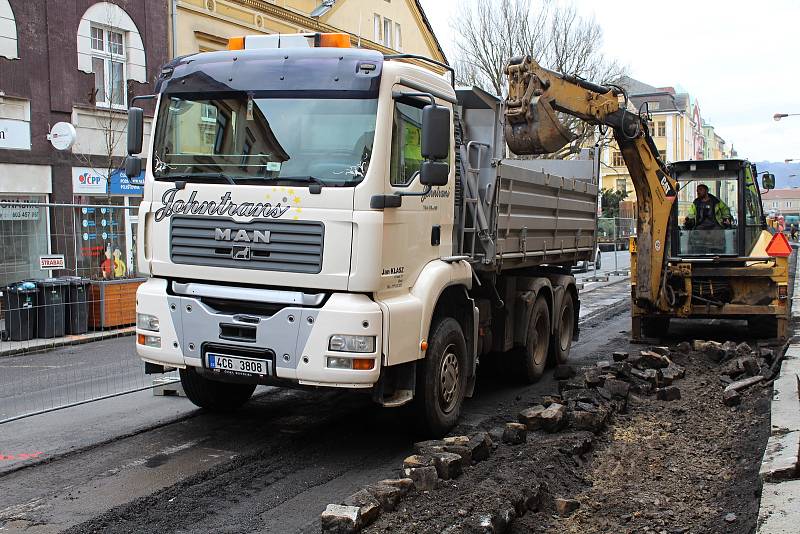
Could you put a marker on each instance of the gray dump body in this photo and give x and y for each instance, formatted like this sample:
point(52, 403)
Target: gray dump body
point(519, 213)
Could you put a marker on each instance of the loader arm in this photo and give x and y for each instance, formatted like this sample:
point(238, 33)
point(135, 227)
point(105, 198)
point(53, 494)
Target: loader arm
point(532, 127)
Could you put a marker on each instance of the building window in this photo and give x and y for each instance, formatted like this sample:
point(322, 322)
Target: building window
point(663, 155)
point(8, 31)
point(387, 33)
point(622, 185)
point(377, 27)
point(111, 49)
point(662, 128)
point(616, 159)
point(398, 37)
point(652, 105)
point(108, 64)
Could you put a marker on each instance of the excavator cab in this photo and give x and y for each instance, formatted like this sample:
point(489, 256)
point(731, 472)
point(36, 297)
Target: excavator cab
point(718, 210)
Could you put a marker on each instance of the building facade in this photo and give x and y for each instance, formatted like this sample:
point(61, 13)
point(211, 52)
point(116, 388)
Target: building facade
point(389, 26)
point(79, 63)
point(677, 128)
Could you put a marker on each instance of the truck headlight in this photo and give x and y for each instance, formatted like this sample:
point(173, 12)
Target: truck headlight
point(147, 322)
point(345, 343)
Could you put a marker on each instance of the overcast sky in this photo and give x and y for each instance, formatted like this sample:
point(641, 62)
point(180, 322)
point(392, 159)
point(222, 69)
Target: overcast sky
point(740, 59)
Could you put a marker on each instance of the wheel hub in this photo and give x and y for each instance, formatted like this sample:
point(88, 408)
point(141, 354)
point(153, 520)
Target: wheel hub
point(449, 380)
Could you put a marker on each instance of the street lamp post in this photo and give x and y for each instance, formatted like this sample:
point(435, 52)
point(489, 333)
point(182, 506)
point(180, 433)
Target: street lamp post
point(779, 116)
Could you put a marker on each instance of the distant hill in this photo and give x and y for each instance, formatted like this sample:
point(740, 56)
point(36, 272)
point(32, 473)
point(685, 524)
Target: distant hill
point(782, 171)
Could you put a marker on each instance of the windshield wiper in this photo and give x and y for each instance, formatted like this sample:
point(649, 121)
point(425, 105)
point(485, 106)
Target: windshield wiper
point(190, 176)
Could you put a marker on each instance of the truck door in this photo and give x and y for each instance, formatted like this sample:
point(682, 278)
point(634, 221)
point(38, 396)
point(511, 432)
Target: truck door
point(415, 232)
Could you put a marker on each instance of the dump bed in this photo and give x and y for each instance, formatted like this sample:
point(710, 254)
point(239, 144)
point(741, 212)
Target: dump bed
point(515, 213)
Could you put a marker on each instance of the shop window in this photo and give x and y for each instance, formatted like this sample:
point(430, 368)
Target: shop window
point(24, 236)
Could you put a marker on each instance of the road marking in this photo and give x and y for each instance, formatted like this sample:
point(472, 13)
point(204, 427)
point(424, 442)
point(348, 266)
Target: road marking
point(20, 456)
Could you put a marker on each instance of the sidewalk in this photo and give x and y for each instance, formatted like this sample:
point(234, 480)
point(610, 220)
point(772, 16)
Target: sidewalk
point(779, 512)
point(10, 348)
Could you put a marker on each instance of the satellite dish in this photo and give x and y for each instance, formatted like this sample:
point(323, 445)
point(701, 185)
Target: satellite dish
point(62, 136)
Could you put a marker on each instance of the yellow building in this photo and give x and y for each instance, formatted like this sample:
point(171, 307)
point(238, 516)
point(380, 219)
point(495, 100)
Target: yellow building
point(676, 127)
point(389, 26)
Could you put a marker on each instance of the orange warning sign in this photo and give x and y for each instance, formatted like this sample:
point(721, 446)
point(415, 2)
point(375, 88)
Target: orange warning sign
point(779, 246)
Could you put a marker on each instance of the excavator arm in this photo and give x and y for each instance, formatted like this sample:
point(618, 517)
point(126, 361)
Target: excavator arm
point(532, 127)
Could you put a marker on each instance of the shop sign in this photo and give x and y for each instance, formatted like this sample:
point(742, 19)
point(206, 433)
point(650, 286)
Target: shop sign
point(15, 135)
point(86, 181)
point(51, 261)
point(122, 184)
point(18, 212)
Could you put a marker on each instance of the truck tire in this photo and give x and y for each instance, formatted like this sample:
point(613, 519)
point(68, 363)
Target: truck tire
point(533, 356)
point(561, 342)
point(442, 377)
point(213, 395)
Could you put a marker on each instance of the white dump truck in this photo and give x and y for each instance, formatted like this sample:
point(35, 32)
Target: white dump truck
point(322, 216)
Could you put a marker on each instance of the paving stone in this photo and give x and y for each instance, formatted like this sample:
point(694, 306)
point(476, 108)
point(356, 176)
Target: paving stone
point(480, 445)
point(554, 417)
point(593, 421)
point(684, 347)
point(652, 360)
point(515, 433)
point(593, 377)
point(418, 460)
point(563, 372)
point(456, 440)
point(424, 478)
point(673, 372)
point(617, 388)
point(565, 507)
point(403, 484)
point(619, 356)
point(781, 457)
point(670, 393)
point(338, 519)
point(368, 507)
point(580, 444)
point(744, 349)
point(531, 417)
point(664, 351)
point(779, 512)
point(567, 385)
point(427, 444)
point(785, 410)
point(461, 450)
point(387, 496)
point(448, 465)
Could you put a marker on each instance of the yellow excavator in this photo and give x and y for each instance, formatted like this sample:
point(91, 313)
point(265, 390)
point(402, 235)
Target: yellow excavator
point(702, 247)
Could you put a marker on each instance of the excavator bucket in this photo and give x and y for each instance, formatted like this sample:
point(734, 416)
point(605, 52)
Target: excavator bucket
point(539, 133)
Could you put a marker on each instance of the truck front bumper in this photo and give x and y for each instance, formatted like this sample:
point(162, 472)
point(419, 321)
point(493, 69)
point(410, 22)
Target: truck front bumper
point(294, 338)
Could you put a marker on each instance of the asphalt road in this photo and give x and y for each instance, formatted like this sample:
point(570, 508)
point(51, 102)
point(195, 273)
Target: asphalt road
point(271, 467)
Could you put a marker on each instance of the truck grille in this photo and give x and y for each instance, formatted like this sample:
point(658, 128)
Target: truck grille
point(294, 246)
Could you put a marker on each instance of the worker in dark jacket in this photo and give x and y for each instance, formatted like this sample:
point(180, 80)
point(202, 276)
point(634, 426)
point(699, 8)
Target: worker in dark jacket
point(707, 212)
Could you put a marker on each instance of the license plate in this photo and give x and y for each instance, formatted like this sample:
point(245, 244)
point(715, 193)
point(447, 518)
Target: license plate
point(237, 365)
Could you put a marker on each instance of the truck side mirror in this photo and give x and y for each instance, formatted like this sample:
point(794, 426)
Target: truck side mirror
point(434, 173)
point(435, 132)
point(135, 130)
point(768, 181)
point(133, 166)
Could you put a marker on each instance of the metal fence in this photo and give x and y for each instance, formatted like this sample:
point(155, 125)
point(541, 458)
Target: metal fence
point(67, 277)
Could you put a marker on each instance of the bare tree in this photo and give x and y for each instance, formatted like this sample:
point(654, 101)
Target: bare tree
point(490, 32)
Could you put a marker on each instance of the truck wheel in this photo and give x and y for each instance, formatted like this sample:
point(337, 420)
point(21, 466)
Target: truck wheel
point(213, 395)
point(533, 356)
point(561, 342)
point(442, 378)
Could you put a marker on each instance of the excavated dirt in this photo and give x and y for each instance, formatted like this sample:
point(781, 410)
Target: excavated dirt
point(683, 466)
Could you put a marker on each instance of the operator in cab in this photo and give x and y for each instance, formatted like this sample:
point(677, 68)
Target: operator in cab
point(707, 212)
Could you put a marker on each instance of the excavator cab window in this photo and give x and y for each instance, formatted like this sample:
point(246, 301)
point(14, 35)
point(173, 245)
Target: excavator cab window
point(708, 208)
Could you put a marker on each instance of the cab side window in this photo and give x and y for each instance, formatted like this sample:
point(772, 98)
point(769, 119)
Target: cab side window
point(406, 144)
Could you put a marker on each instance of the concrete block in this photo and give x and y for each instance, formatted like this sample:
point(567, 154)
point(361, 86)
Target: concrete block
point(781, 457)
point(779, 512)
point(785, 409)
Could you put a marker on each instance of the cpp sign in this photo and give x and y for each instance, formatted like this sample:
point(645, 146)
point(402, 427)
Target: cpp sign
point(86, 181)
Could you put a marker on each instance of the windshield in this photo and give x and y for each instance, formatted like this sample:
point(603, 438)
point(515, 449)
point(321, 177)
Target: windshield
point(708, 215)
point(238, 138)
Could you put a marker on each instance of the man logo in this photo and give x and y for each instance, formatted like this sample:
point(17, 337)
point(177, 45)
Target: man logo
point(239, 252)
point(241, 236)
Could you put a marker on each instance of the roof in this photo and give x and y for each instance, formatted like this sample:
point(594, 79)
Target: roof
point(634, 86)
point(780, 194)
point(430, 29)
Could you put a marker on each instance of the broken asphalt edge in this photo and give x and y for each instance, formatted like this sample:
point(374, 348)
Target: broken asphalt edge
point(779, 510)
